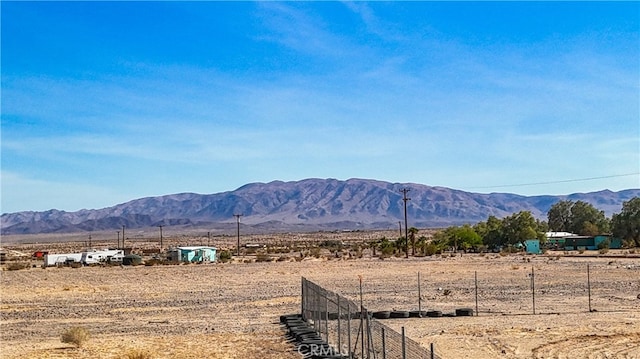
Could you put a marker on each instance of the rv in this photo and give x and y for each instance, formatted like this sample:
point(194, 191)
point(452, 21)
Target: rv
point(93, 256)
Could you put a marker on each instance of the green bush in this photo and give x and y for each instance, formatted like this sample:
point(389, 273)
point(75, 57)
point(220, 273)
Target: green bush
point(225, 256)
point(76, 336)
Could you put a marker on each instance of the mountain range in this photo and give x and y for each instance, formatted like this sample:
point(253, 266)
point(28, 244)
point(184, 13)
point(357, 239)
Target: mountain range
point(310, 204)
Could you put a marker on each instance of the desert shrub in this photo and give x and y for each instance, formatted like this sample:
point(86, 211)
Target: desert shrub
point(331, 244)
point(263, 257)
point(386, 249)
point(138, 354)
point(315, 251)
point(581, 250)
point(604, 244)
point(603, 250)
point(17, 265)
point(76, 336)
point(282, 259)
point(75, 264)
point(225, 256)
point(152, 262)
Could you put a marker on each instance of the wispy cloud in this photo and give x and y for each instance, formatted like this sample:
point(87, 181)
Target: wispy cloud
point(370, 98)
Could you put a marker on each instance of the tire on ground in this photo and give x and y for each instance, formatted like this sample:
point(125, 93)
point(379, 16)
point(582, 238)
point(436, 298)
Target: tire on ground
point(464, 312)
point(385, 314)
point(434, 314)
point(399, 314)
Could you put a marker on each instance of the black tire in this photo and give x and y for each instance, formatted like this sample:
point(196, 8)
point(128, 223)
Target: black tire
point(333, 316)
point(288, 317)
point(385, 314)
point(449, 315)
point(399, 314)
point(417, 314)
point(464, 312)
point(434, 314)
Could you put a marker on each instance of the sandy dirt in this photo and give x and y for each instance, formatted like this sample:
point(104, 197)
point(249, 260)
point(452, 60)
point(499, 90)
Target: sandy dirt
point(231, 310)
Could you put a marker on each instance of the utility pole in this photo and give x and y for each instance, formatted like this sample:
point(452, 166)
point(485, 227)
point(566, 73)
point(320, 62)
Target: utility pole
point(208, 239)
point(238, 222)
point(123, 236)
point(118, 245)
point(90, 246)
point(160, 237)
point(406, 233)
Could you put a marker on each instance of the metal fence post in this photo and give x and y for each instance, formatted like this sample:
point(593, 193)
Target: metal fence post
point(384, 344)
point(589, 287)
point(433, 353)
point(404, 345)
point(533, 289)
point(339, 320)
point(316, 311)
point(419, 298)
point(326, 316)
point(303, 299)
point(476, 283)
point(349, 329)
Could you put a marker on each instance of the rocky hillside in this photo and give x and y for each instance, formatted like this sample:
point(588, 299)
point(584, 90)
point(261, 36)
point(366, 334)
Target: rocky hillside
point(306, 205)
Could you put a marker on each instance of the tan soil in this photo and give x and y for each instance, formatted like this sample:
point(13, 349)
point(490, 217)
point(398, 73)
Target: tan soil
point(231, 310)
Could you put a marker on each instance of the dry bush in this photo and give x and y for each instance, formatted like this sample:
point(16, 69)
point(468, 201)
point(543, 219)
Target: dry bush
point(315, 251)
point(153, 262)
point(76, 336)
point(17, 265)
point(263, 257)
point(138, 354)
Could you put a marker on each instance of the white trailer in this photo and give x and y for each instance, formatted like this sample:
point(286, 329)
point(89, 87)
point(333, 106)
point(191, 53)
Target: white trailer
point(60, 259)
point(93, 256)
point(102, 256)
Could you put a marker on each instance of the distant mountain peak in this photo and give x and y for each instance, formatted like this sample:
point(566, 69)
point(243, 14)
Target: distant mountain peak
point(307, 204)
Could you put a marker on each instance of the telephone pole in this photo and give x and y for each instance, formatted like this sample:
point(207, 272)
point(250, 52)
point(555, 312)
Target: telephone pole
point(238, 222)
point(406, 233)
point(160, 238)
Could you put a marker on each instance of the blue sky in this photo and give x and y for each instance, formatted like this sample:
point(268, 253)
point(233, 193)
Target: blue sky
point(111, 101)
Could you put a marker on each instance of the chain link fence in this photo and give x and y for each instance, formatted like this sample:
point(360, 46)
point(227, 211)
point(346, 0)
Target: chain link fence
point(350, 328)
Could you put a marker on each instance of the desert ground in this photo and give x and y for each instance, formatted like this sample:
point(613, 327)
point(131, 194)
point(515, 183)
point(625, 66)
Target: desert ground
point(231, 310)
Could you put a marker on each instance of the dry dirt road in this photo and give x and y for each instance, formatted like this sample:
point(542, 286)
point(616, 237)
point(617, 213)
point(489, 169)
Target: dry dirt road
point(231, 310)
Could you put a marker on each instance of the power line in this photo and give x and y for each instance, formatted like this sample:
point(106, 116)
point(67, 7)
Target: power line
point(558, 181)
